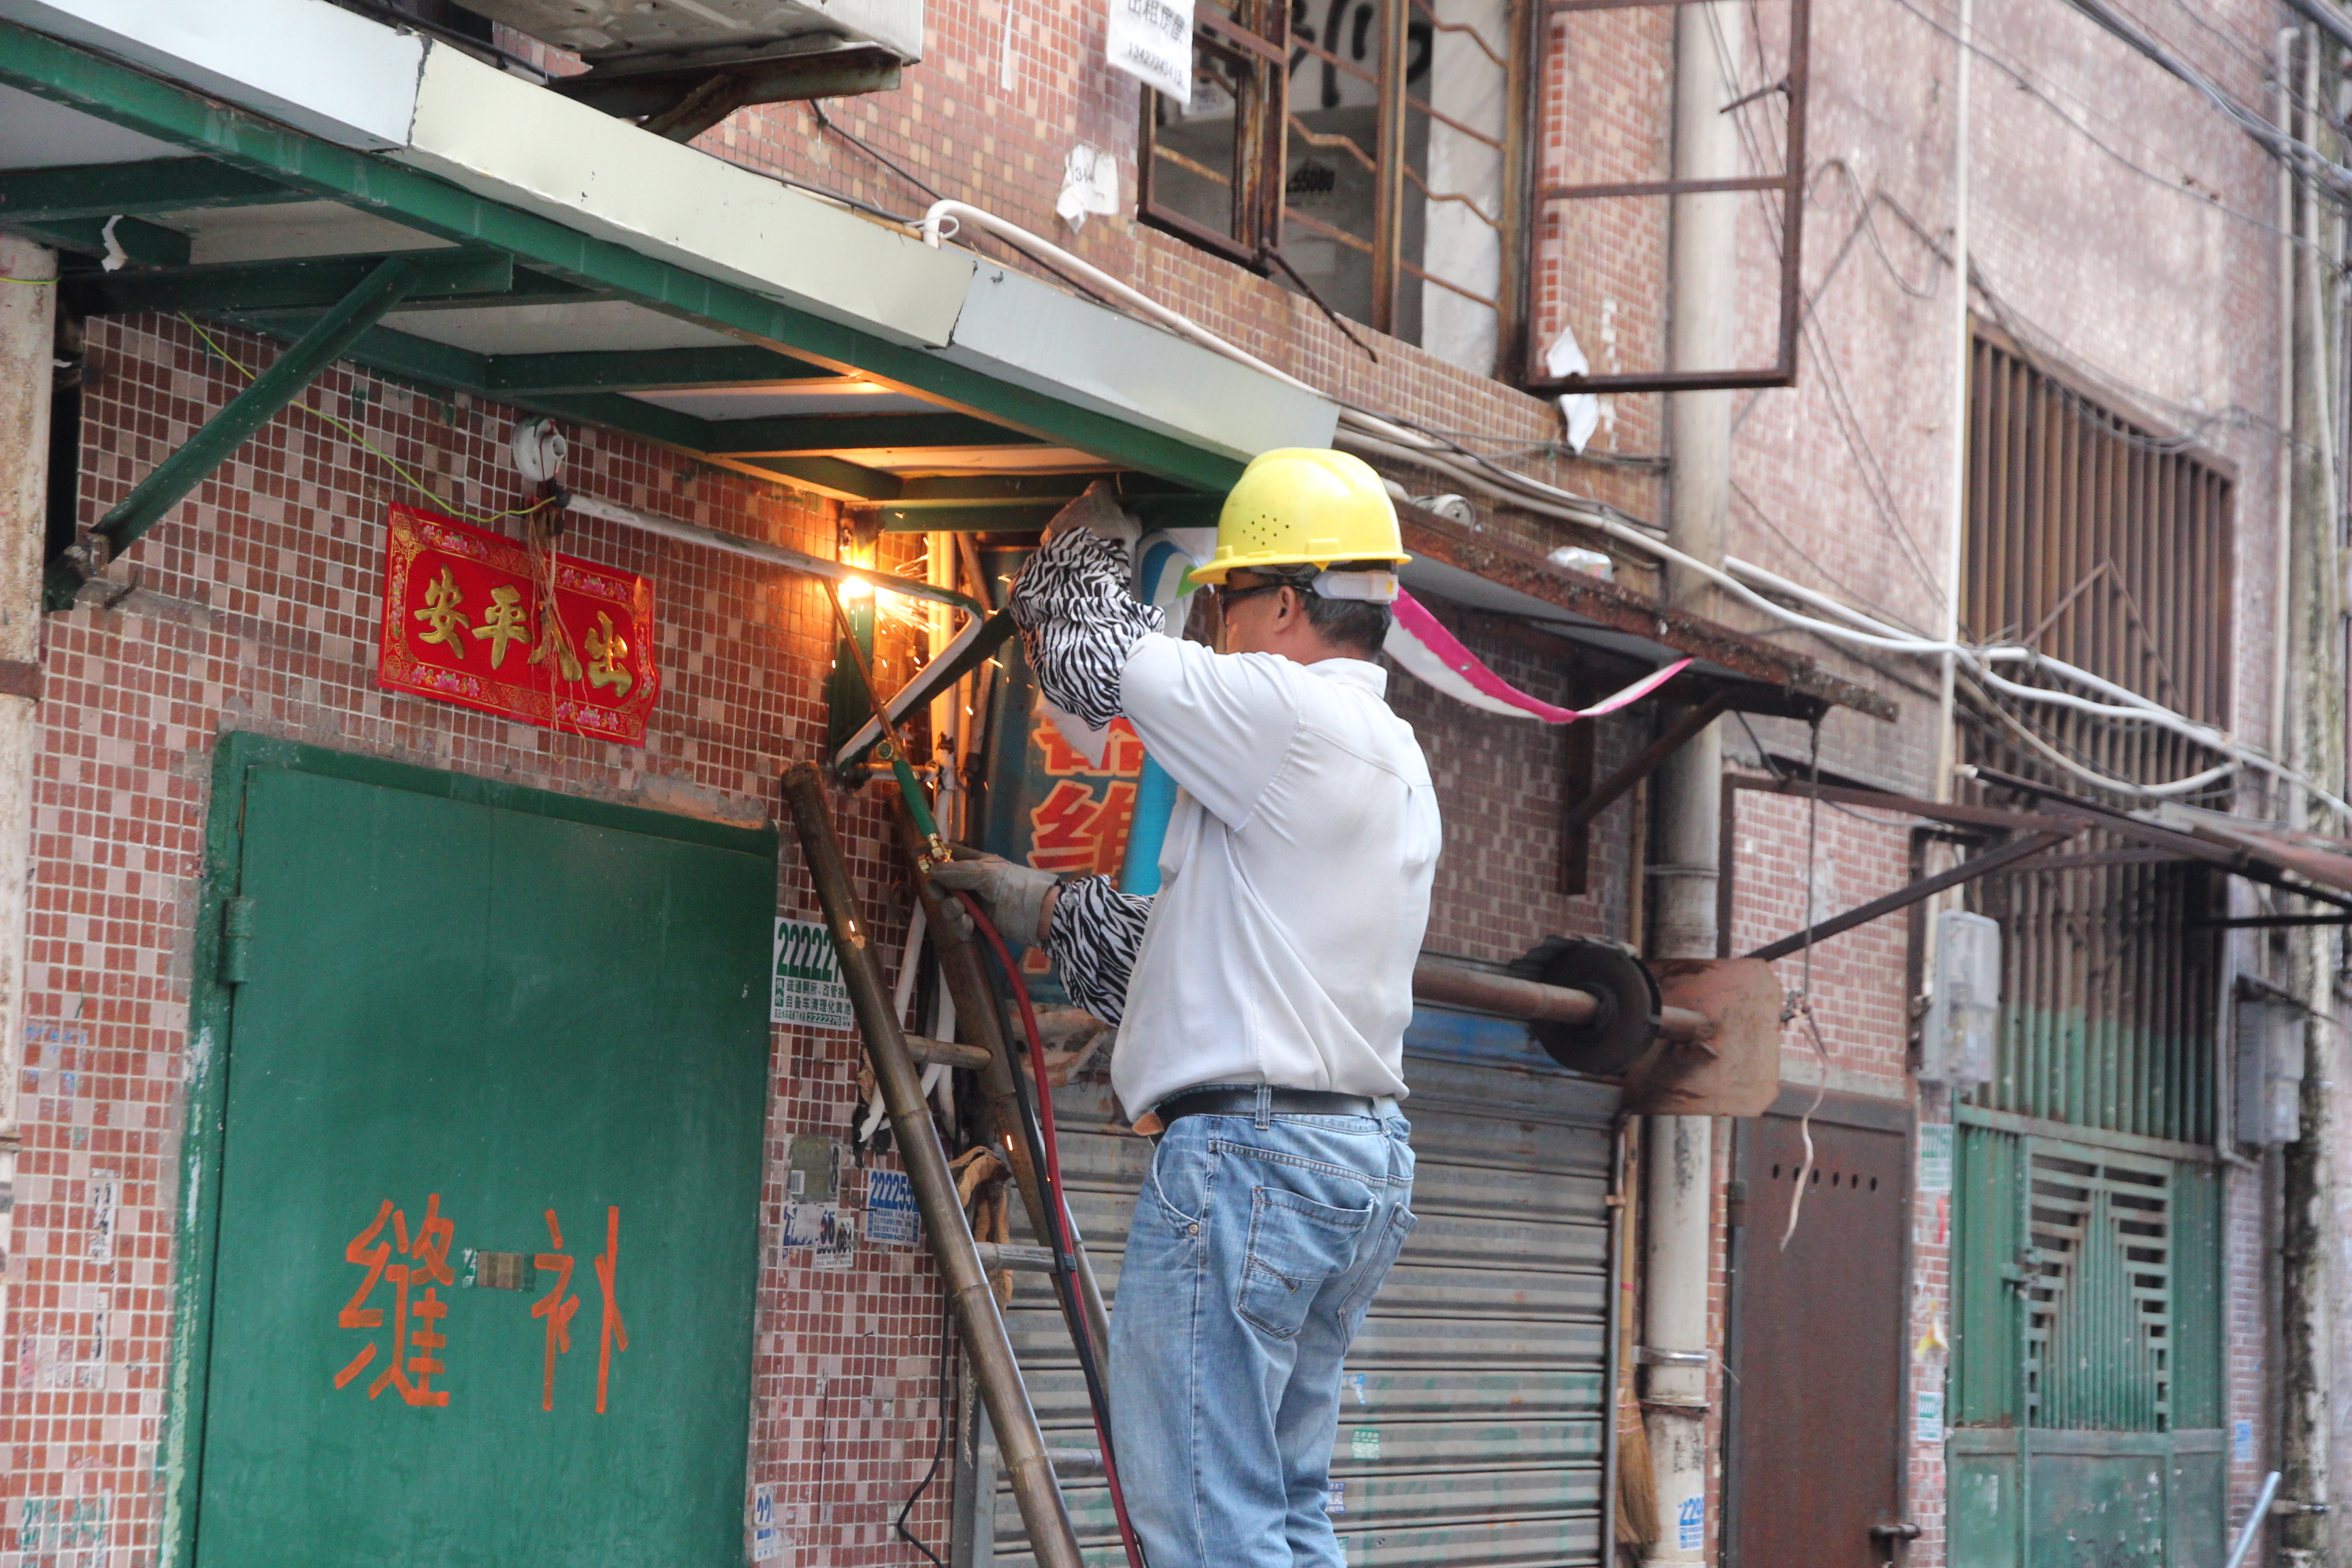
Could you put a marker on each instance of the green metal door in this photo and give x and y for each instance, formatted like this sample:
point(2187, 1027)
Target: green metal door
point(489, 1151)
point(2085, 1381)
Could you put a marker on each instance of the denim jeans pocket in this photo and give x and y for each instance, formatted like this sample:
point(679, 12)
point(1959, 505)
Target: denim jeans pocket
point(1296, 1243)
point(1179, 1177)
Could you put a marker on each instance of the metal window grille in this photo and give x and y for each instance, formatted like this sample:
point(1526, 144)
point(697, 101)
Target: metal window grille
point(2098, 540)
point(2088, 1287)
point(1369, 152)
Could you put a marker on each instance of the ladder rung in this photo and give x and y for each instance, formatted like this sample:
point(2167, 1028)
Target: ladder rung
point(1068, 1460)
point(1005, 1255)
point(928, 1052)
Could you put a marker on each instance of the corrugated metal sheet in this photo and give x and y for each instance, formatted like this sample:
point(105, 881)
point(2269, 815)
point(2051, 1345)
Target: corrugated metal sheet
point(1479, 1379)
point(2098, 540)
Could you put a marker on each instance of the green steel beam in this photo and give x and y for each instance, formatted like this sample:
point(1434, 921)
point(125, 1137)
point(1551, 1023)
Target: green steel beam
point(143, 244)
point(643, 370)
point(153, 186)
point(651, 421)
point(62, 73)
point(1018, 519)
point(222, 434)
point(849, 480)
point(858, 433)
point(317, 282)
point(1004, 489)
point(406, 357)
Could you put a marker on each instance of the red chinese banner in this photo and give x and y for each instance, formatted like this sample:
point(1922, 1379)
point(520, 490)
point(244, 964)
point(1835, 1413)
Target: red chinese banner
point(477, 619)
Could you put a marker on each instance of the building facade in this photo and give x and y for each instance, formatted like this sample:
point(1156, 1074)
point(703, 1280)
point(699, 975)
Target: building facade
point(322, 921)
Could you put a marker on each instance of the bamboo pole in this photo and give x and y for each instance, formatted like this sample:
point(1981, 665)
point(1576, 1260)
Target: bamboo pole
point(1043, 1513)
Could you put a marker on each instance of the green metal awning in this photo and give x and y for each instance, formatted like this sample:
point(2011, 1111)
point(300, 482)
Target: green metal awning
point(559, 260)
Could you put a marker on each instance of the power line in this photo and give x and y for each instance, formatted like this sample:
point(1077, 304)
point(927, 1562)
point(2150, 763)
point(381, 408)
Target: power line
point(2035, 89)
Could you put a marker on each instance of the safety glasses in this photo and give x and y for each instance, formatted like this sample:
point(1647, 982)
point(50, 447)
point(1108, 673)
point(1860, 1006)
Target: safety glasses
point(1228, 598)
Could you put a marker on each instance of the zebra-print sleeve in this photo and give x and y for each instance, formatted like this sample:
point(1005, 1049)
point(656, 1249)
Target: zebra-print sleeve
point(1078, 622)
point(1096, 932)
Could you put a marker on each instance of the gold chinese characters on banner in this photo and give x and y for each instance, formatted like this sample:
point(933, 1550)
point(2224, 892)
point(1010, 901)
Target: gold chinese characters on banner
point(479, 619)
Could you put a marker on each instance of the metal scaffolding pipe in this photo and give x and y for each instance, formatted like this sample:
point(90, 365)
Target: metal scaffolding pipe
point(1453, 986)
point(1018, 1439)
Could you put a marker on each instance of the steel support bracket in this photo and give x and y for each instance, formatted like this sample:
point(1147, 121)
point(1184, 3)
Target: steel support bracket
point(170, 480)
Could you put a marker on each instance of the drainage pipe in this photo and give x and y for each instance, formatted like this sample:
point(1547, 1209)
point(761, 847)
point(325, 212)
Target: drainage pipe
point(1686, 802)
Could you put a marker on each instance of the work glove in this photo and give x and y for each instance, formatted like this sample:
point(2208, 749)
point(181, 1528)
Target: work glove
point(1015, 895)
point(1098, 513)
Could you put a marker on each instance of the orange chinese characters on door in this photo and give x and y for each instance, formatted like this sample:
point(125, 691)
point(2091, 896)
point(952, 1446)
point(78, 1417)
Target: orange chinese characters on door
point(414, 1360)
point(558, 1307)
point(484, 621)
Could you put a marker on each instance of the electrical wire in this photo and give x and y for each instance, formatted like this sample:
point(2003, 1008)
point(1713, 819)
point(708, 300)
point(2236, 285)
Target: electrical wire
point(1802, 1004)
point(1365, 431)
point(389, 461)
point(2184, 185)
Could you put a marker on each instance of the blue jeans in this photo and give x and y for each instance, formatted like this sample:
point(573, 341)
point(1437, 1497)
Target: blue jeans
point(1256, 1246)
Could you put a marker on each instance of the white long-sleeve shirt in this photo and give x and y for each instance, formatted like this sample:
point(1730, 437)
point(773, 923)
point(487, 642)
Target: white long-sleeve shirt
point(1295, 873)
point(1294, 881)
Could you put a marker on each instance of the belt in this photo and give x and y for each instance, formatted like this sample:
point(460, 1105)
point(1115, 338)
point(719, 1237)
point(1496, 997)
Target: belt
point(1244, 1102)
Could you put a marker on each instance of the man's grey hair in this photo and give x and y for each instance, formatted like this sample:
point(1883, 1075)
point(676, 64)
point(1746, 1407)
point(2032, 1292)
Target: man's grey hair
point(1356, 625)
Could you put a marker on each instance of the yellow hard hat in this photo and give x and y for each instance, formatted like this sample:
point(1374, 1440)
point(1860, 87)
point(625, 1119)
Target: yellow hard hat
point(1299, 506)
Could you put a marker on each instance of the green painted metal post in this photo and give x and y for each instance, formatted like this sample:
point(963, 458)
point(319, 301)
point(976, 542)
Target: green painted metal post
point(272, 390)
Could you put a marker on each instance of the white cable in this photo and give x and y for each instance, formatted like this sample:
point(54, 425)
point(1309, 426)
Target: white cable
point(2189, 785)
point(1369, 432)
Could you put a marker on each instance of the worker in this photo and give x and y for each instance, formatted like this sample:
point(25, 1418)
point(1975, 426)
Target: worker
point(1260, 995)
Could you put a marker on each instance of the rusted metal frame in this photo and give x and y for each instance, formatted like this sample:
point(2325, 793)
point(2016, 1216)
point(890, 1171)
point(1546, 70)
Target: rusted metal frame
point(1790, 182)
point(2274, 922)
point(1317, 52)
point(1263, 83)
point(1193, 166)
point(1664, 188)
point(1272, 49)
point(1414, 269)
point(1926, 887)
point(1387, 190)
point(1353, 241)
point(2092, 859)
point(1521, 78)
point(1622, 609)
point(1956, 813)
point(1262, 126)
point(2243, 862)
point(1422, 106)
point(1678, 735)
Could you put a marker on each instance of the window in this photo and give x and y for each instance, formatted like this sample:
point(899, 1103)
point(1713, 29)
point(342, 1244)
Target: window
point(1365, 151)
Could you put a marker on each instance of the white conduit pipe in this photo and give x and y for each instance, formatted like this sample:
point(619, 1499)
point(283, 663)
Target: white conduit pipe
point(1367, 432)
